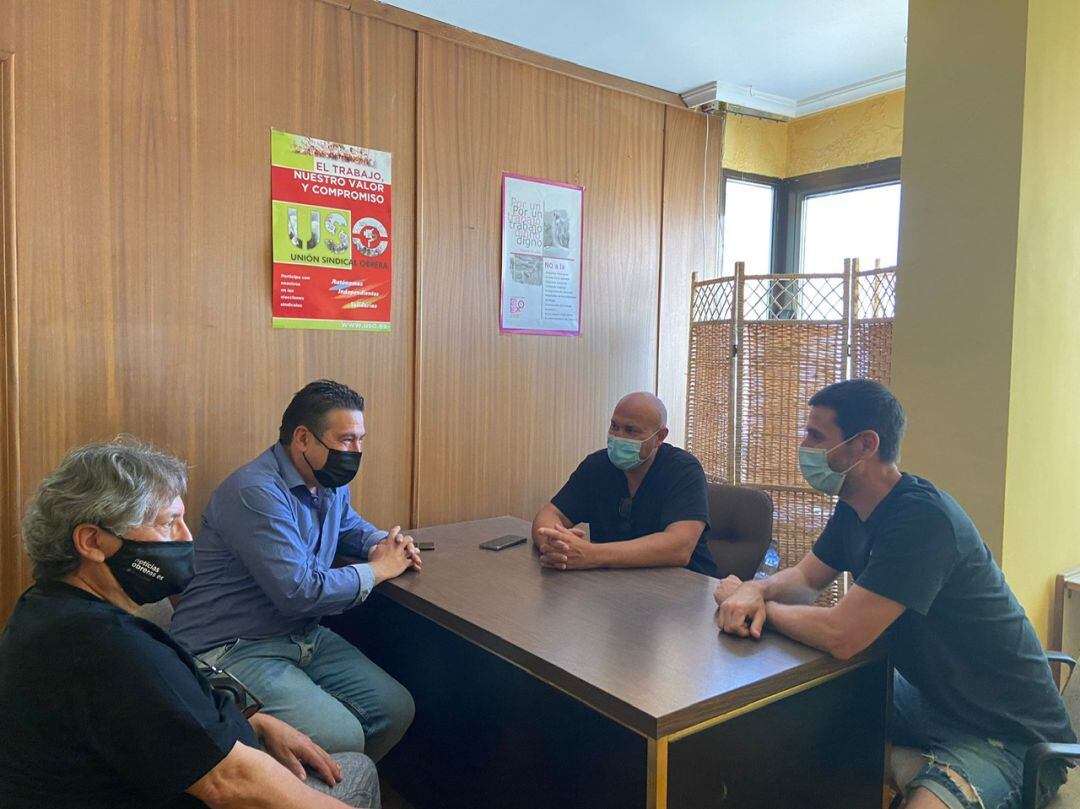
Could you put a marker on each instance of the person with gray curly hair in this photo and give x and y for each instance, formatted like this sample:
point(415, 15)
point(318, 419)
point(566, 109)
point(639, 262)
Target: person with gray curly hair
point(116, 487)
point(103, 709)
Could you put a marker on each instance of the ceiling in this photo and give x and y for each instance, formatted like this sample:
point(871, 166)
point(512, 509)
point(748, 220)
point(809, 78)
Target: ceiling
point(790, 57)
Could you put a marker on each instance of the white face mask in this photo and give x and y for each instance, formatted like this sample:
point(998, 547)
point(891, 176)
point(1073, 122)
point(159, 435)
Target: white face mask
point(814, 464)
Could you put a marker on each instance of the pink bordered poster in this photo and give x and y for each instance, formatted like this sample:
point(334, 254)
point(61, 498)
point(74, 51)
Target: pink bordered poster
point(541, 257)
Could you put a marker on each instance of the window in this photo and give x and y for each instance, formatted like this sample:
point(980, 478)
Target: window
point(810, 224)
point(862, 223)
point(749, 218)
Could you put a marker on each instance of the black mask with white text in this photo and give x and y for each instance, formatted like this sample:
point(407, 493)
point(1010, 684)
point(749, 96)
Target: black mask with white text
point(340, 467)
point(151, 571)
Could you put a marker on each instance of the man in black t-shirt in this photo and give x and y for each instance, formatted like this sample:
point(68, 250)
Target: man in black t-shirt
point(645, 501)
point(973, 689)
point(103, 710)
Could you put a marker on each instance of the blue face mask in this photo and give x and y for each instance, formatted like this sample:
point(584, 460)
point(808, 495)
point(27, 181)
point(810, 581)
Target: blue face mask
point(814, 463)
point(625, 453)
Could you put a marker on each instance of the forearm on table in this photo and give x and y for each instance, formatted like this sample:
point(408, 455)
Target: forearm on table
point(814, 626)
point(548, 517)
point(357, 544)
point(787, 586)
point(316, 593)
point(652, 550)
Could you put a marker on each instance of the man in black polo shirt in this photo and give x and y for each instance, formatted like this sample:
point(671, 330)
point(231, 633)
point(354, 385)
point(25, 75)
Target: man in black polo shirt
point(100, 709)
point(973, 689)
point(645, 501)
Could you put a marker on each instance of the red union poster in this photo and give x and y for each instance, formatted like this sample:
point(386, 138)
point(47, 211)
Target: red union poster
point(331, 231)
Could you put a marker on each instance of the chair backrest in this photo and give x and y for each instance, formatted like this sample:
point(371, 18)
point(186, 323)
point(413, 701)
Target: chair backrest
point(740, 528)
point(1068, 796)
point(1071, 695)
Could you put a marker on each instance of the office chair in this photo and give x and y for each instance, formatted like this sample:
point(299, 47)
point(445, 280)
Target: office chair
point(740, 520)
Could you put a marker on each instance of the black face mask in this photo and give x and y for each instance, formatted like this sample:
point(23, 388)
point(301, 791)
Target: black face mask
point(340, 467)
point(151, 571)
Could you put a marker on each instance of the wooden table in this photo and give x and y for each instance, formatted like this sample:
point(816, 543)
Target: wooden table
point(542, 688)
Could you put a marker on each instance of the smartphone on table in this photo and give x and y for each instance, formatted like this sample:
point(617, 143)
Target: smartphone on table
point(501, 543)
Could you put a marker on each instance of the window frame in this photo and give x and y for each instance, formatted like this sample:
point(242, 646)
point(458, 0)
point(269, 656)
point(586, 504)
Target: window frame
point(790, 193)
point(848, 178)
point(780, 201)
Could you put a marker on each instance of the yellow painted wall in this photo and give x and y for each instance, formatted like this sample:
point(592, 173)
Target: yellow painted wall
point(755, 145)
point(1042, 482)
point(953, 334)
point(868, 130)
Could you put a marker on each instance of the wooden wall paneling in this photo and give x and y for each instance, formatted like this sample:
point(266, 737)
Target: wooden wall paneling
point(690, 229)
point(504, 419)
point(387, 115)
point(344, 78)
point(144, 301)
point(145, 227)
point(11, 556)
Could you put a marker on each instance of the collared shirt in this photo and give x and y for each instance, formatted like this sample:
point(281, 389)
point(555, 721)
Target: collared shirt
point(263, 557)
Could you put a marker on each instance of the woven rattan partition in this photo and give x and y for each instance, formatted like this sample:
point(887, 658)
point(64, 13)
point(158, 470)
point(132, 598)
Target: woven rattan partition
point(873, 309)
point(760, 347)
point(710, 393)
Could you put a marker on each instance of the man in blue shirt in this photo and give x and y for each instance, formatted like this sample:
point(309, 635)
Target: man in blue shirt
point(264, 578)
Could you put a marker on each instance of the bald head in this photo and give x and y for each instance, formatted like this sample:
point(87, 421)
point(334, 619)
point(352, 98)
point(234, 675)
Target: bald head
point(638, 415)
point(646, 410)
point(642, 418)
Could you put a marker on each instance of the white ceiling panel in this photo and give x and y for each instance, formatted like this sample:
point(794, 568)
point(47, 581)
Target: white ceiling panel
point(783, 51)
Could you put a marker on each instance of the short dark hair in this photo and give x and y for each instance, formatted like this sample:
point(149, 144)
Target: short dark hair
point(863, 404)
point(311, 404)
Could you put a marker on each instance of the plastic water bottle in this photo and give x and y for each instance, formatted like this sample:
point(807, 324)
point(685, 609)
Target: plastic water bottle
point(770, 564)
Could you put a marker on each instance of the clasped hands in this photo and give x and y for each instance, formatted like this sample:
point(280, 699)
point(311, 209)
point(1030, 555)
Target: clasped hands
point(741, 612)
point(742, 609)
point(393, 555)
point(565, 548)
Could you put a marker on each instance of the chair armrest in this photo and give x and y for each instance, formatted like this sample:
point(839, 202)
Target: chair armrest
point(1037, 755)
point(1066, 661)
point(1061, 657)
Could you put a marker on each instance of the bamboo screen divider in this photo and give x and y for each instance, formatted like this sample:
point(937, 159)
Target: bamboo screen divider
point(760, 347)
point(873, 309)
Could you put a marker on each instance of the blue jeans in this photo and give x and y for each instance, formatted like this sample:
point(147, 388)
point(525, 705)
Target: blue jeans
point(324, 686)
point(993, 767)
point(359, 782)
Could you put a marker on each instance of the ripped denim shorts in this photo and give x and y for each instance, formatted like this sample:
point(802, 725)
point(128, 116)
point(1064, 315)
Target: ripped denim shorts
point(993, 767)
